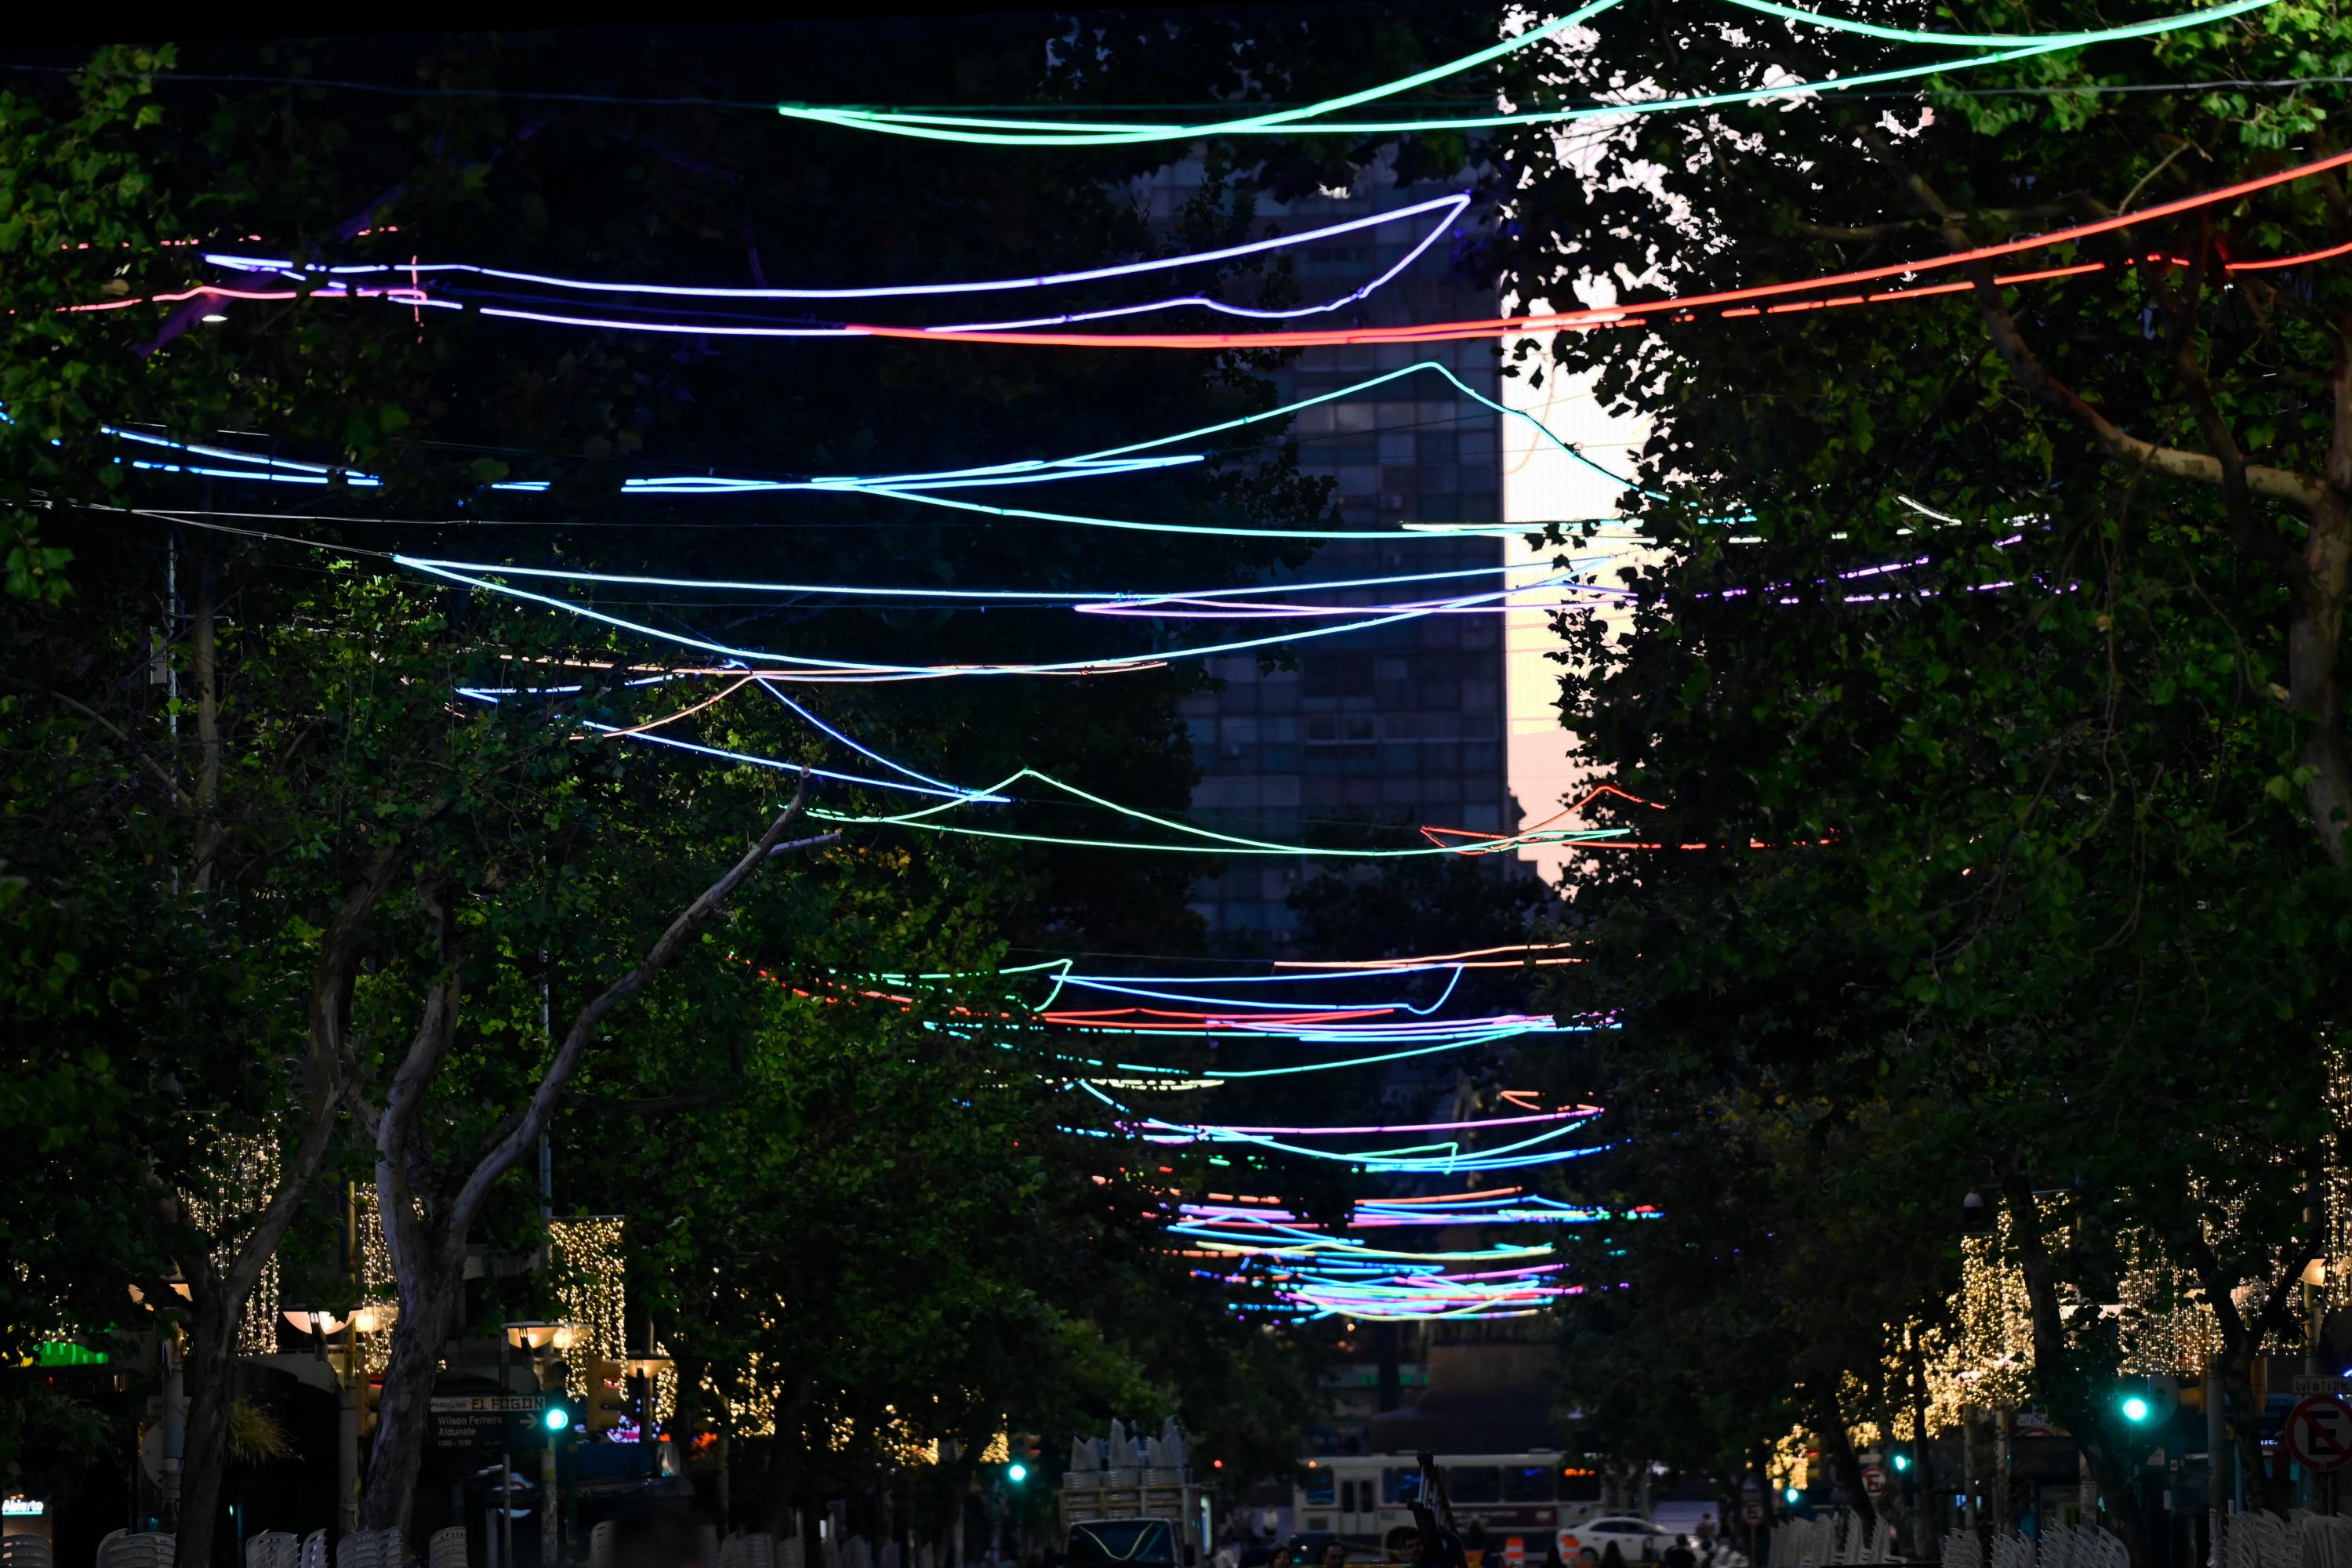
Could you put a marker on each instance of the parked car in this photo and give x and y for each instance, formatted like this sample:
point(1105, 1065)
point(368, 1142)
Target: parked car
point(1637, 1540)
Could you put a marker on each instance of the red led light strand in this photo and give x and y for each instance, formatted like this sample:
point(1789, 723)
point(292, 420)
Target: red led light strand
point(1510, 326)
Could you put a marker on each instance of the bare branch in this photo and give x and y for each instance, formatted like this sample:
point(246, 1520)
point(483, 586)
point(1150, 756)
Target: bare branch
point(495, 1163)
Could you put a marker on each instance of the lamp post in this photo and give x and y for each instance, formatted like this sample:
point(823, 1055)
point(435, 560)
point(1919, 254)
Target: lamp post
point(545, 1341)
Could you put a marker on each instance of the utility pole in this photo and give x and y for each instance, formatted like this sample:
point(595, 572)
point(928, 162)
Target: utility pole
point(506, 1465)
point(175, 1423)
point(550, 1523)
point(347, 1404)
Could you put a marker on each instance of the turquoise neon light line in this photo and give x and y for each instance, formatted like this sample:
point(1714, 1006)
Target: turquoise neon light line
point(1258, 122)
point(2005, 40)
point(1386, 1161)
point(853, 667)
point(1118, 987)
point(1025, 132)
point(998, 596)
point(895, 487)
point(1246, 845)
point(1196, 849)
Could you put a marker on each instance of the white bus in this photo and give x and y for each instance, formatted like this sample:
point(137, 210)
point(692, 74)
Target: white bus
point(1532, 1500)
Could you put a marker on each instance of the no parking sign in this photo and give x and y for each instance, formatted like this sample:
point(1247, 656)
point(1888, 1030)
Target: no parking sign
point(2319, 1434)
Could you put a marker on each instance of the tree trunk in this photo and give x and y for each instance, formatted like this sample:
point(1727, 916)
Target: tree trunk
point(2316, 630)
point(208, 1366)
point(786, 1450)
point(210, 835)
point(2242, 1344)
point(218, 1295)
point(426, 1231)
point(1922, 1490)
point(1832, 1422)
point(428, 1299)
point(2071, 1397)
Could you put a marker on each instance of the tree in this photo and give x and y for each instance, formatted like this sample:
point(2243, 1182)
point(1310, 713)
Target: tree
point(1994, 723)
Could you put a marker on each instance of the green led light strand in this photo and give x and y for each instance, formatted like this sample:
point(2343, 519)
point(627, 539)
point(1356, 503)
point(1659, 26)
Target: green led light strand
point(1007, 132)
point(1222, 842)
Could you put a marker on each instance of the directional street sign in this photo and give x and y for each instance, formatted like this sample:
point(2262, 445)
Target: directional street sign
point(2319, 1434)
point(487, 1420)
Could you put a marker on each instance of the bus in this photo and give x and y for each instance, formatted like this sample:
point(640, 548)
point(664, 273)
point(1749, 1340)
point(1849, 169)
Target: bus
point(1365, 1500)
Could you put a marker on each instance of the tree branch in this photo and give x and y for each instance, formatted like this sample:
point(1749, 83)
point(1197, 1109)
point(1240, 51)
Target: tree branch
point(495, 1163)
point(163, 775)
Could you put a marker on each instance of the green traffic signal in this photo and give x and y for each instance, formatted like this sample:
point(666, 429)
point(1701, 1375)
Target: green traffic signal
point(1016, 1474)
point(556, 1418)
point(2137, 1409)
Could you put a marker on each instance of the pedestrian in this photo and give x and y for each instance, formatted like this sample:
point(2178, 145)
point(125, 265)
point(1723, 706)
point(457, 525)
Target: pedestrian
point(1551, 1555)
point(1435, 1546)
point(1279, 1557)
point(1706, 1533)
point(1610, 1557)
point(1335, 1554)
point(1680, 1555)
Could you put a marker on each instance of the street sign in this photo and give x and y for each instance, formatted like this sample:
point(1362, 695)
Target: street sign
point(2307, 1384)
point(2319, 1434)
point(1873, 1482)
point(1751, 1512)
point(487, 1420)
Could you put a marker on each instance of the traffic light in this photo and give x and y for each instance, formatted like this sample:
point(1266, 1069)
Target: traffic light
point(1016, 1474)
point(1902, 1461)
point(606, 1395)
point(556, 1417)
point(2148, 1402)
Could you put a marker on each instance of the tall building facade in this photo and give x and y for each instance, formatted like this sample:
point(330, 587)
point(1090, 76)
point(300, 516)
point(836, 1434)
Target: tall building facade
point(1398, 722)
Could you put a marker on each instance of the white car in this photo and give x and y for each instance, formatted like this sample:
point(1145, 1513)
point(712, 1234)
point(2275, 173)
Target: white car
point(1637, 1540)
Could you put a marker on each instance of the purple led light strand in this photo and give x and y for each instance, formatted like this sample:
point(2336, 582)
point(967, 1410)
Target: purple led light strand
point(1455, 205)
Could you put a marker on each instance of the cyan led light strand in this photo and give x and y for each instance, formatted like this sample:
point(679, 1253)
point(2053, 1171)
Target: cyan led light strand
point(1223, 841)
point(1016, 596)
point(1390, 1162)
point(912, 124)
point(1130, 458)
point(902, 672)
point(1300, 122)
point(1120, 988)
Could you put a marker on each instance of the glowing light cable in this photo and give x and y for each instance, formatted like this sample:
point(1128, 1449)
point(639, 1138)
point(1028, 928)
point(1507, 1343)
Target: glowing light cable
point(1634, 311)
point(1313, 119)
